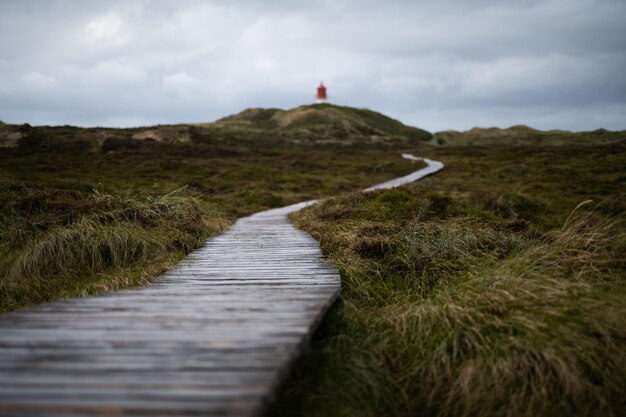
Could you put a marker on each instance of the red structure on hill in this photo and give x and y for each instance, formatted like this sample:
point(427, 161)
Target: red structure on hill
point(321, 93)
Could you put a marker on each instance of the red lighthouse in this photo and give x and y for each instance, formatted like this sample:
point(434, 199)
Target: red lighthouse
point(321, 93)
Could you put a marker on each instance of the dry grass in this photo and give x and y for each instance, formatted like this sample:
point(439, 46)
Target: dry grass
point(324, 124)
point(59, 239)
point(536, 335)
point(472, 300)
point(57, 244)
point(523, 136)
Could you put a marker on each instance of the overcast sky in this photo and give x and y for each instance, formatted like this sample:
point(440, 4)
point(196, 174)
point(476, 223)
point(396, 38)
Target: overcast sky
point(437, 64)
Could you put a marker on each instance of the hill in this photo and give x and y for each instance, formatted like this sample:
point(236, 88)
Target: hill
point(324, 123)
point(314, 124)
point(524, 135)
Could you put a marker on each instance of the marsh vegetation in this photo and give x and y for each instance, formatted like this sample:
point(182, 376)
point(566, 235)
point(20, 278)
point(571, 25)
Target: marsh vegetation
point(495, 287)
point(84, 211)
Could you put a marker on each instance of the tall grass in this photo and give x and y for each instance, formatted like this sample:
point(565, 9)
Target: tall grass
point(535, 335)
point(59, 239)
point(56, 243)
point(448, 310)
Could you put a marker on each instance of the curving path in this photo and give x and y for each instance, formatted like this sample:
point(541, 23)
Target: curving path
point(213, 337)
point(431, 168)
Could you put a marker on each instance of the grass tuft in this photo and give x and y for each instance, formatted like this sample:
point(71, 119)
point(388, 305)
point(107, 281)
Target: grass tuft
point(57, 244)
point(448, 308)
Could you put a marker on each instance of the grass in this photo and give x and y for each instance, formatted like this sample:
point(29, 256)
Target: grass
point(325, 123)
point(58, 243)
point(524, 135)
point(495, 287)
point(85, 211)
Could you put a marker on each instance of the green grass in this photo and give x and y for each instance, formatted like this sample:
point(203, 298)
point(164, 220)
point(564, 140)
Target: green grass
point(524, 135)
point(58, 243)
point(494, 287)
point(84, 211)
point(325, 123)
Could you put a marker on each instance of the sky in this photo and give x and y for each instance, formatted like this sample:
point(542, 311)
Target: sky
point(435, 64)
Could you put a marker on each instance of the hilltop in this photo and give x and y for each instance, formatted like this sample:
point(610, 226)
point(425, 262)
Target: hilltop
point(324, 123)
point(314, 124)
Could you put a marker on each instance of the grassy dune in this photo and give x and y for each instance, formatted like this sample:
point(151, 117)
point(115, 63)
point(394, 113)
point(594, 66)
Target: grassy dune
point(324, 124)
point(495, 287)
point(83, 211)
point(523, 135)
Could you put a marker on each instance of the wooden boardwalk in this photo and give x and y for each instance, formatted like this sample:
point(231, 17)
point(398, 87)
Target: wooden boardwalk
point(212, 337)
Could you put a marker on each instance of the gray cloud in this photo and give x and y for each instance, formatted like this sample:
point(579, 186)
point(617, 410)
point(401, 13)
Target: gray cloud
point(435, 64)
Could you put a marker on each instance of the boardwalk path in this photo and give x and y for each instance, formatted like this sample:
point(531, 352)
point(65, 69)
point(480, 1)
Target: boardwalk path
point(214, 336)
